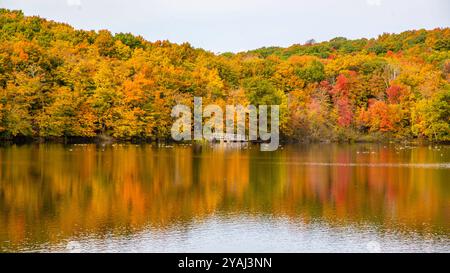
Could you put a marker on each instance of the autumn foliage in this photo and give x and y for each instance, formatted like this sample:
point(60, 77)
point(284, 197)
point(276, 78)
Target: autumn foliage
point(56, 81)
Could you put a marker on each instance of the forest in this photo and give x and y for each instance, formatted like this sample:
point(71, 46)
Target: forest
point(59, 82)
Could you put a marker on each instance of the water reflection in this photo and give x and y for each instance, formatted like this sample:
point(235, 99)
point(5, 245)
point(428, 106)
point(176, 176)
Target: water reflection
point(151, 198)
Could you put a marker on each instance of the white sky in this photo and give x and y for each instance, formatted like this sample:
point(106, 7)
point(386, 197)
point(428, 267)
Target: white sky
point(236, 25)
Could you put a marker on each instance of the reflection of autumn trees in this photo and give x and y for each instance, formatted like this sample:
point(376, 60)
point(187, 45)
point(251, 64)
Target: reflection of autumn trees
point(48, 192)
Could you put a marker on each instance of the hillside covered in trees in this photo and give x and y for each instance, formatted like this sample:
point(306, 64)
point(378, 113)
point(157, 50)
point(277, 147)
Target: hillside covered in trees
point(56, 81)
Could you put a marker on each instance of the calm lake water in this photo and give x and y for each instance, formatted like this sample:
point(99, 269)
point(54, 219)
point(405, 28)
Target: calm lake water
point(182, 198)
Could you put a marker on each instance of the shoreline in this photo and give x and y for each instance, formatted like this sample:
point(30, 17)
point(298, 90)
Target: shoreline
point(110, 140)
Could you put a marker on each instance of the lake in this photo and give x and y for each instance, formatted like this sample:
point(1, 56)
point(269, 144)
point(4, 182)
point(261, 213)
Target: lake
point(224, 198)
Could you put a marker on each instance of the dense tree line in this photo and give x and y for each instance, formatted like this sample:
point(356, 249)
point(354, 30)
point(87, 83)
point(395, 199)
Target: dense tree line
point(56, 81)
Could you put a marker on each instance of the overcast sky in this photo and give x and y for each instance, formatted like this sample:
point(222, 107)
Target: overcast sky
point(235, 25)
